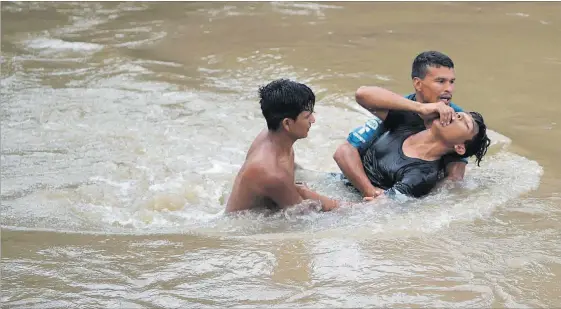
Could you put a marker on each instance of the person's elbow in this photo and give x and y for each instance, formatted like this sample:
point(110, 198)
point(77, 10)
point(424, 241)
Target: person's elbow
point(363, 93)
point(342, 152)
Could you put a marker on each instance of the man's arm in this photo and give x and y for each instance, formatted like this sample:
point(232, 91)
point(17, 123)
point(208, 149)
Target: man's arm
point(454, 167)
point(380, 101)
point(455, 171)
point(348, 160)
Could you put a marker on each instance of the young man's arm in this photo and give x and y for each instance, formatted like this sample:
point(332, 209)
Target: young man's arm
point(379, 101)
point(348, 160)
point(327, 204)
point(281, 189)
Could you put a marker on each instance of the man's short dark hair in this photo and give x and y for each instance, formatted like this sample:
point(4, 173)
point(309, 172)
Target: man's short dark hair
point(429, 59)
point(479, 144)
point(283, 98)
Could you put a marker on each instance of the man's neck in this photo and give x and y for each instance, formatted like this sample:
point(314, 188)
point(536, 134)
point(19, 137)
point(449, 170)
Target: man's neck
point(281, 141)
point(424, 145)
point(418, 97)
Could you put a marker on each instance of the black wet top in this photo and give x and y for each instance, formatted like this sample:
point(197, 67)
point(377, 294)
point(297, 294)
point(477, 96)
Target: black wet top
point(388, 168)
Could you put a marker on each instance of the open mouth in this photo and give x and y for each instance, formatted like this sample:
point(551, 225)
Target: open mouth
point(446, 98)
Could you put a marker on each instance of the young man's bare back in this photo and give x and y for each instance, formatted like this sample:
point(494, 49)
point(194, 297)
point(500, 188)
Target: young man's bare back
point(266, 179)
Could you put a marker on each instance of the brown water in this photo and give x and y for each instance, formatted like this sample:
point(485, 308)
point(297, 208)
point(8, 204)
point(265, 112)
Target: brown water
point(123, 125)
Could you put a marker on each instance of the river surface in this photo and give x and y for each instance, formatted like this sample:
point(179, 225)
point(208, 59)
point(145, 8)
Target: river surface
point(123, 126)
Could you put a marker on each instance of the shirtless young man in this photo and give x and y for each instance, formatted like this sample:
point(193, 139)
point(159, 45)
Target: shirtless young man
point(266, 179)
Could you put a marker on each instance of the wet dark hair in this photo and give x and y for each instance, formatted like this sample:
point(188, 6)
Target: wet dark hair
point(283, 98)
point(429, 59)
point(480, 142)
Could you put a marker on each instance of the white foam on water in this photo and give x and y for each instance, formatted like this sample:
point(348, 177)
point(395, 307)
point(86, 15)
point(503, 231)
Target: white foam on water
point(181, 205)
point(519, 14)
point(485, 189)
point(153, 37)
point(56, 45)
point(303, 8)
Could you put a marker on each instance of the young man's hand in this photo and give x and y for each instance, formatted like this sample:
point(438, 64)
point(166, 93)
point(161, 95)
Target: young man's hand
point(301, 187)
point(371, 195)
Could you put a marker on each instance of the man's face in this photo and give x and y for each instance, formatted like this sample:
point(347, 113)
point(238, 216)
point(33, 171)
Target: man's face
point(461, 129)
point(438, 85)
point(301, 126)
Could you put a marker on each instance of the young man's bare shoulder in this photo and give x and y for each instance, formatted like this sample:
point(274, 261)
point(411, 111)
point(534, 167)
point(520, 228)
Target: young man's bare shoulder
point(262, 157)
point(264, 174)
point(262, 170)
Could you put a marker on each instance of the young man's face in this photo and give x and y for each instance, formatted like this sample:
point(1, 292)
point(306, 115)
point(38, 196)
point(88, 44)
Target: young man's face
point(461, 129)
point(438, 85)
point(301, 126)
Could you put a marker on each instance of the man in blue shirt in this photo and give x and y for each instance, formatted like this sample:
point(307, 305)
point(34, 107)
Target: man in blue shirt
point(433, 79)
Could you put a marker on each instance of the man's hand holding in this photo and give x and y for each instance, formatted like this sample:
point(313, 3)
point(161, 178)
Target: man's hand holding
point(438, 109)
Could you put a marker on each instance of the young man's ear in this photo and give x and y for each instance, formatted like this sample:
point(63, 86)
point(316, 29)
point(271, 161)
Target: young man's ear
point(286, 124)
point(460, 149)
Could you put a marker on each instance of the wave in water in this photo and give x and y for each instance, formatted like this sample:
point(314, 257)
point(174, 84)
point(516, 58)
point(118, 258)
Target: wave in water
point(176, 207)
